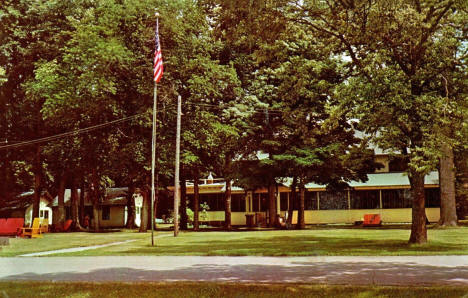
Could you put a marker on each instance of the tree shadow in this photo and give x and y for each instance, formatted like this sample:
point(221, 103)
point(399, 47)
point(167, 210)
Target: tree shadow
point(304, 272)
point(306, 245)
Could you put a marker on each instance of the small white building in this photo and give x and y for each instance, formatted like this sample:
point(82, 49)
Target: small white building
point(45, 211)
point(113, 211)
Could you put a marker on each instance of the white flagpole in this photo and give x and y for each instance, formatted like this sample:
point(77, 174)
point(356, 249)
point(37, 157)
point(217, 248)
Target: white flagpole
point(153, 162)
point(153, 151)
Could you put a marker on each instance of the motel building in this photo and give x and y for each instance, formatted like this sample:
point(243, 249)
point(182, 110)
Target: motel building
point(387, 192)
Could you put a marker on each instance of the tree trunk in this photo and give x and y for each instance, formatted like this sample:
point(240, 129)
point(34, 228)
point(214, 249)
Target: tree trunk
point(271, 205)
point(82, 203)
point(196, 203)
point(74, 205)
point(292, 200)
point(144, 210)
point(300, 213)
point(227, 206)
point(94, 192)
point(418, 225)
point(448, 212)
point(96, 224)
point(183, 203)
point(130, 224)
point(61, 200)
point(37, 170)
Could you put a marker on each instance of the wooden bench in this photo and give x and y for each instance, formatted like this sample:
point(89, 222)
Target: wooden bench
point(372, 220)
point(35, 230)
point(11, 226)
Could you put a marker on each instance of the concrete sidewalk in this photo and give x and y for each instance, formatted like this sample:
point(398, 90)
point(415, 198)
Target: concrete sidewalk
point(389, 270)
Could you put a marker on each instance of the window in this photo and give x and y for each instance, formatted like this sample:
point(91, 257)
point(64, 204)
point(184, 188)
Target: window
point(46, 214)
point(237, 202)
point(264, 202)
point(255, 202)
point(310, 200)
point(259, 200)
point(365, 199)
point(283, 201)
point(191, 200)
point(396, 198)
point(214, 200)
point(333, 200)
point(432, 197)
point(105, 212)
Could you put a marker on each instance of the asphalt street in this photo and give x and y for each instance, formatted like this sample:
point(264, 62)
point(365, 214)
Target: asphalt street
point(389, 270)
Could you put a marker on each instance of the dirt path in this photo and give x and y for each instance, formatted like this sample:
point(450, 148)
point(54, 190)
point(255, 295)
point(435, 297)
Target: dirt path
point(414, 270)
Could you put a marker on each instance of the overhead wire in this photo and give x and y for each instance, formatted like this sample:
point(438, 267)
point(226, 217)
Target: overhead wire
point(102, 125)
point(69, 133)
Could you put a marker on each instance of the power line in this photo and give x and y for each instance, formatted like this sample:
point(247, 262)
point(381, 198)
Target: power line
point(99, 126)
point(70, 133)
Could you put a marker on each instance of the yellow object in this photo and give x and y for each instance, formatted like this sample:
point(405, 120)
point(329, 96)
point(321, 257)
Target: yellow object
point(35, 230)
point(44, 225)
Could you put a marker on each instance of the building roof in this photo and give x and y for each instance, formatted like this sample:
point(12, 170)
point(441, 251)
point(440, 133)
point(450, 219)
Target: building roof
point(375, 181)
point(23, 200)
point(382, 180)
point(114, 196)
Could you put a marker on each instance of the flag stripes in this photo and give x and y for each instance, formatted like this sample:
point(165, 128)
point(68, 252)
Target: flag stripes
point(158, 63)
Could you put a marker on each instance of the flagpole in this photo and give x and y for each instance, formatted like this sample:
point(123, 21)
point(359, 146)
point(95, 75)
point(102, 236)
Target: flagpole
point(153, 160)
point(153, 150)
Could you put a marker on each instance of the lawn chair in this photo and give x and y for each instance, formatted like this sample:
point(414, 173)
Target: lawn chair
point(35, 230)
point(67, 225)
point(64, 227)
point(44, 225)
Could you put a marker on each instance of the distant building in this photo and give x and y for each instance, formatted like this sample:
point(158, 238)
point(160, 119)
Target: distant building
point(22, 206)
point(113, 211)
point(387, 192)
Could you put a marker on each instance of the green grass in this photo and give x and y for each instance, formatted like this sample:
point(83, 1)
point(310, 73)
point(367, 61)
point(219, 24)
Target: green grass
point(318, 241)
point(49, 289)
point(54, 241)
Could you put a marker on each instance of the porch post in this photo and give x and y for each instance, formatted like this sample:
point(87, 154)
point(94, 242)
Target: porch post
point(349, 200)
point(278, 203)
point(380, 199)
point(318, 200)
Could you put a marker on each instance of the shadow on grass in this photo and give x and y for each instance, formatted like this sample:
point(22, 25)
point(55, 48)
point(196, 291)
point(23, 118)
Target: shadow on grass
point(294, 246)
point(306, 272)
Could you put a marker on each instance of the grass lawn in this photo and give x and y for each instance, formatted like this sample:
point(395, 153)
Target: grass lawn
point(49, 289)
point(54, 241)
point(311, 242)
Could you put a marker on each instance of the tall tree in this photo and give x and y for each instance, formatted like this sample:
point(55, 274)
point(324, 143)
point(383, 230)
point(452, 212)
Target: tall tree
point(391, 50)
point(28, 34)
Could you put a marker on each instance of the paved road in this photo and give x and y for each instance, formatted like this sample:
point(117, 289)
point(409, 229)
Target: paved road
point(415, 270)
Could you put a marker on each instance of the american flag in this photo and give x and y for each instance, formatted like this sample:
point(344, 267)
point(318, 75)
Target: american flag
point(158, 63)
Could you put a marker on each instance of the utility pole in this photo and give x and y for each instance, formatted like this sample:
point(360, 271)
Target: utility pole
point(176, 175)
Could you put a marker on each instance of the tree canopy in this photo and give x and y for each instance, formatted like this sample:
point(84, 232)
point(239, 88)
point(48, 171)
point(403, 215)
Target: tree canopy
point(291, 81)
